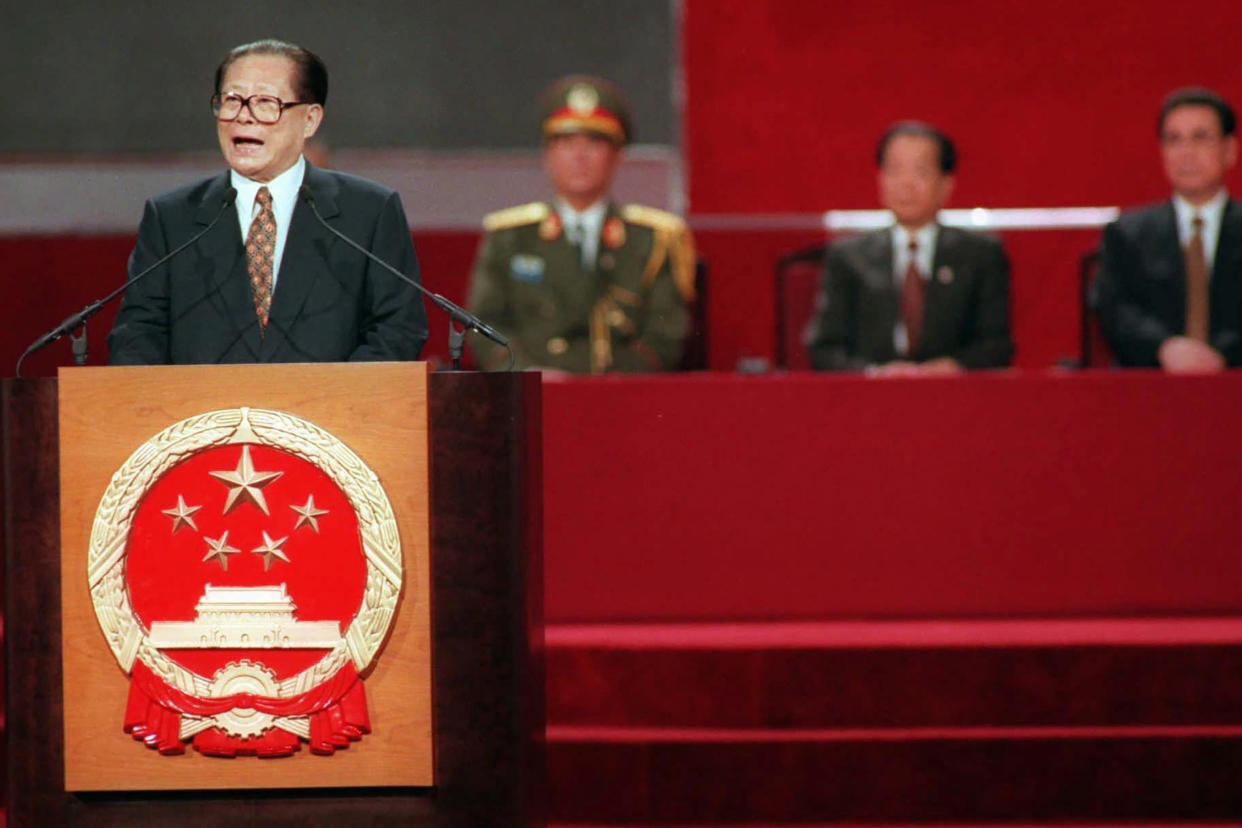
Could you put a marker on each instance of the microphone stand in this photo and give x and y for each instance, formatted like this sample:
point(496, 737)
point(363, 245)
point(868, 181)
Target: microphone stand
point(77, 343)
point(467, 320)
point(78, 320)
point(457, 339)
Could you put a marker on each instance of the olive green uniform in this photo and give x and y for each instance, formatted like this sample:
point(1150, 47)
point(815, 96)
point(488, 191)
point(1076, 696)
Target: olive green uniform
point(627, 313)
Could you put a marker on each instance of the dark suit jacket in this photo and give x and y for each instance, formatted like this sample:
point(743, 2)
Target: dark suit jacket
point(330, 303)
point(965, 312)
point(1140, 290)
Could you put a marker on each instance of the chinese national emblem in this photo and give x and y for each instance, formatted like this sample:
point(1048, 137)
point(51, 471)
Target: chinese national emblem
point(245, 566)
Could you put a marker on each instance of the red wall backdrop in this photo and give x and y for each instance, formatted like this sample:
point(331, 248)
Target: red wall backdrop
point(1052, 104)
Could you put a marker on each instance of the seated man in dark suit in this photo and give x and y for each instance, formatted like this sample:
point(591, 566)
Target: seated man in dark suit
point(1169, 289)
point(917, 297)
point(268, 283)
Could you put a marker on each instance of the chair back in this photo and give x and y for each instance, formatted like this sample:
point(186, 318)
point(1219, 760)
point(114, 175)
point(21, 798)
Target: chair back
point(1093, 349)
point(797, 279)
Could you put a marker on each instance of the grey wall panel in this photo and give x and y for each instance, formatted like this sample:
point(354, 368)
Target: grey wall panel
point(81, 76)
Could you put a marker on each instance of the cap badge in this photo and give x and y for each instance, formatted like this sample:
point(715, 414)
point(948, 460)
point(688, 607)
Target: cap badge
point(582, 98)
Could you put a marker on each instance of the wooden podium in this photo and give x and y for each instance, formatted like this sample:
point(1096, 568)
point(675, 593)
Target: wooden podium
point(480, 473)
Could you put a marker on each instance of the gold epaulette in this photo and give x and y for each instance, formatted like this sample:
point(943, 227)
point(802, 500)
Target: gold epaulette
point(672, 241)
point(651, 217)
point(515, 216)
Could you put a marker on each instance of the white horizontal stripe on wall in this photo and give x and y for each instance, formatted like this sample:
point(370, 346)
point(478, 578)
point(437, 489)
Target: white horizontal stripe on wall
point(980, 218)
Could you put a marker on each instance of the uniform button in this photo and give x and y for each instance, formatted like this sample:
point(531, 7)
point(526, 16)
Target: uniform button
point(557, 346)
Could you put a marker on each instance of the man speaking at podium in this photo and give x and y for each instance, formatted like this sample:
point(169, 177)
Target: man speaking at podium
point(266, 282)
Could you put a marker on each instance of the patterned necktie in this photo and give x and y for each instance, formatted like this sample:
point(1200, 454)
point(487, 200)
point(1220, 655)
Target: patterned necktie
point(260, 253)
point(911, 301)
point(1196, 284)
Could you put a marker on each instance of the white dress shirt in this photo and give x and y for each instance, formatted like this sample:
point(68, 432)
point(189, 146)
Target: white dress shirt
point(589, 222)
point(1212, 214)
point(923, 259)
point(284, 189)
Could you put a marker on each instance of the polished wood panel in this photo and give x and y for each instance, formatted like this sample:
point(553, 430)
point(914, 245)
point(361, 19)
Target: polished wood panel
point(486, 628)
point(379, 410)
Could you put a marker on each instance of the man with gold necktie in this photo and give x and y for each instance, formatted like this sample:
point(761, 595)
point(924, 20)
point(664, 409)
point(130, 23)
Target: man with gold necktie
point(1169, 290)
point(581, 284)
point(266, 282)
point(916, 298)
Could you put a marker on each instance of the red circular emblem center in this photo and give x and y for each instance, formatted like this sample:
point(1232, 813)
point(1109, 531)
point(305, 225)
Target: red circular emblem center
point(250, 544)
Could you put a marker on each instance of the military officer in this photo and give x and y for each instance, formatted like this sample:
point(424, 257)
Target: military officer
point(581, 284)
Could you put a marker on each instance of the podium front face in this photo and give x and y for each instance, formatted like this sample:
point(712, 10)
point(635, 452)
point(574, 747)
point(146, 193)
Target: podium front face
point(245, 573)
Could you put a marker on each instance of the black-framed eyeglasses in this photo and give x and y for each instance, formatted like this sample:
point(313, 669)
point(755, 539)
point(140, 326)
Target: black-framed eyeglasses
point(266, 109)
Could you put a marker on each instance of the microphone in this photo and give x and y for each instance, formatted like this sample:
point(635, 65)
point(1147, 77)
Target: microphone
point(78, 319)
point(459, 314)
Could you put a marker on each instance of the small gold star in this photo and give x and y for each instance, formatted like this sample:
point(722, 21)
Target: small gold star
point(245, 483)
point(308, 514)
point(181, 514)
point(218, 549)
point(270, 550)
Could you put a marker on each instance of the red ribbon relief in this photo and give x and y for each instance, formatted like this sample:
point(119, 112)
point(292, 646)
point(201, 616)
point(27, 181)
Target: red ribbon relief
point(337, 709)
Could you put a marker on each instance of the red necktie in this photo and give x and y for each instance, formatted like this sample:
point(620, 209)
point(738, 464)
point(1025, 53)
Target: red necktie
point(260, 254)
point(1196, 285)
point(910, 301)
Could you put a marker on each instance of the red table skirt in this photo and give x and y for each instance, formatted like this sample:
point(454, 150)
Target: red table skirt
point(812, 496)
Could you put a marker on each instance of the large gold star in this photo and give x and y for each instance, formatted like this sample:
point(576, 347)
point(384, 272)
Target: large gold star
point(270, 550)
point(218, 549)
point(181, 514)
point(308, 514)
point(245, 483)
